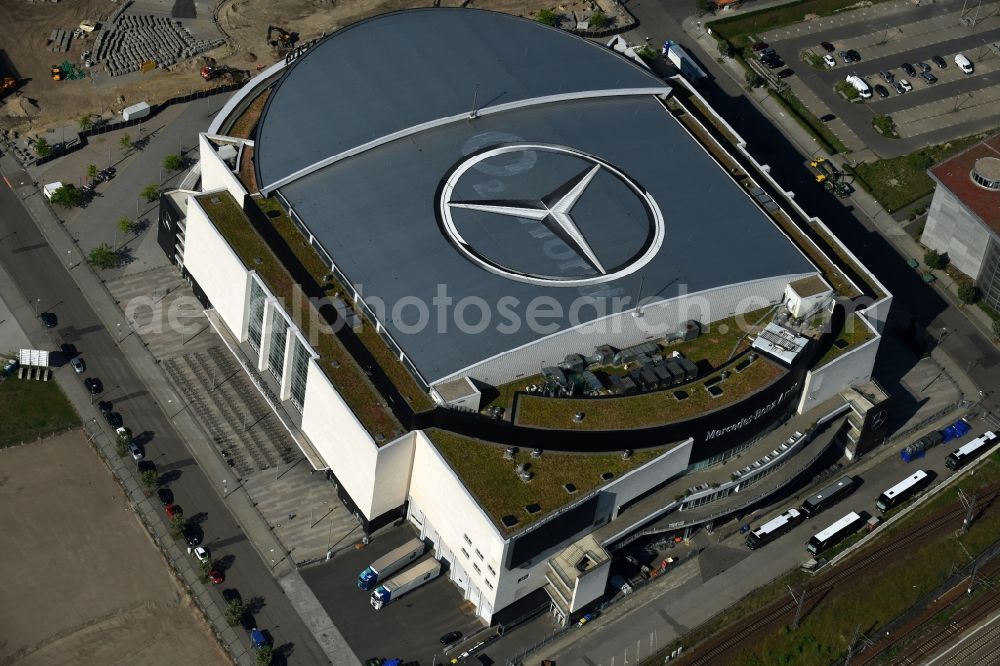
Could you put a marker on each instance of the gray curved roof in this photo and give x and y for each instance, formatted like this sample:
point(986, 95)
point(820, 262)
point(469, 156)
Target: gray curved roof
point(397, 71)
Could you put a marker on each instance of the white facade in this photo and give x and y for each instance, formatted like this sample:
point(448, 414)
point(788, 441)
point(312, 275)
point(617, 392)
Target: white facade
point(850, 369)
point(952, 230)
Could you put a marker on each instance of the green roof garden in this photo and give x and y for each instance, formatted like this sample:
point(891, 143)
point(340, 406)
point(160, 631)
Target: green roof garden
point(494, 481)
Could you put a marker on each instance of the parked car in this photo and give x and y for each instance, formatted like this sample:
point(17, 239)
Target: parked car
point(759, 46)
point(105, 406)
point(135, 451)
point(200, 554)
point(589, 617)
point(785, 73)
point(165, 495)
point(881, 91)
point(216, 576)
point(829, 60)
point(49, 319)
point(93, 385)
point(766, 52)
point(114, 419)
point(887, 76)
point(928, 77)
point(924, 67)
point(231, 594)
point(192, 535)
point(775, 64)
point(846, 57)
point(909, 69)
point(77, 364)
point(827, 46)
point(173, 510)
point(905, 85)
point(939, 61)
point(828, 117)
point(450, 637)
point(68, 349)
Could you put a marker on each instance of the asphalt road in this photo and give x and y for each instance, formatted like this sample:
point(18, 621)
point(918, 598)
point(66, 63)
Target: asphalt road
point(44, 279)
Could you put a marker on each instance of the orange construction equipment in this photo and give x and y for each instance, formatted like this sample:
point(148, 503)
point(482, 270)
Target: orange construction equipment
point(57, 73)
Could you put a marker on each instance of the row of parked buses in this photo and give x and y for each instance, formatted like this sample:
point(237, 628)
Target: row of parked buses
point(852, 522)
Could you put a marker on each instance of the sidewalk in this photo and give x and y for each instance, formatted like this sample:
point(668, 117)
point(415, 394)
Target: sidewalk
point(146, 368)
point(883, 222)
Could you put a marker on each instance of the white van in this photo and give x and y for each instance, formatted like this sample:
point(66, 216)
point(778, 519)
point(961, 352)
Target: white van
point(50, 189)
point(963, 63)
point(859, 84)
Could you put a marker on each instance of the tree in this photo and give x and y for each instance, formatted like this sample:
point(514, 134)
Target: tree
point(120, 447)
point(174, 162)
point(85, 122)
point(92, 171)
point(102, 256)
point(124, 435)
point(150, 479)
point(234, 612)
point(548, 17)
point(726, 49)
point(753, 79)
point(125, 142)
point(125, 224)
point(177, 525)
point(935, 260)
point(599, 20)
point(67, 196)
point(996, 328)
point(150, 193)
point(265, 655)
point(42, 147)
point(968, 293)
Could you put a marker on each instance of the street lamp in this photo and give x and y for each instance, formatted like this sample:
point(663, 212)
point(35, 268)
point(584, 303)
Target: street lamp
point(37, 301)
point(224, 487)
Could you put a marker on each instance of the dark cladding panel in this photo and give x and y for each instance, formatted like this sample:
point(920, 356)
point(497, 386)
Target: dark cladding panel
point(553, 532)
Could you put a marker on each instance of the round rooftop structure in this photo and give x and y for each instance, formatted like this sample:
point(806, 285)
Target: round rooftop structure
point(471, 157)
point(986, 172)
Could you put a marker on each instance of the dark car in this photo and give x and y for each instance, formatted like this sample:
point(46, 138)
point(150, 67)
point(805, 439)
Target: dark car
point(855, 56)
point(114, 419)
point(827, 46)
point(451, 637)
point(928, 77)
point(845, 56)
point(785, 73)
point(924, 67)
point(49, 319)
point(192, 535)
point(231, 594)
point(105, 406)
point(93, 385)
point(828, 117)
point(759, 46)
point(766, 53)
point(68, 349)
point(166, 496)
point(939, 61)
point(909, 69)
point(775, 64)
point(881, 91)
point(887, 76)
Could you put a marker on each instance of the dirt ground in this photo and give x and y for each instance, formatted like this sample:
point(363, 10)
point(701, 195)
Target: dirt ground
point(41, 103)
point(82, 583)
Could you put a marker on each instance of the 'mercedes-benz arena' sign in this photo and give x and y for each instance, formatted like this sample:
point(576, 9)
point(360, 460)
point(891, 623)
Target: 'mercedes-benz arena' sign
point(757, 413)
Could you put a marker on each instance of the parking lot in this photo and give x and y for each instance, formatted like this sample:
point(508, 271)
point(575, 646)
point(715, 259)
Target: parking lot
point(886, 36)
point(407, 629)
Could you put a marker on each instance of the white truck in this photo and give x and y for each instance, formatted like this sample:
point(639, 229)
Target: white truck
point(390, 563)
point(405, 582)
point(49, 189)
point(680, 59)
point(859, 84)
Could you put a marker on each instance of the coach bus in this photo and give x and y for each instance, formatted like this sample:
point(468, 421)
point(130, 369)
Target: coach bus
point(774, 528)
point(903, 490)
point(835, 533)
point(829, 496)
point(970, 451)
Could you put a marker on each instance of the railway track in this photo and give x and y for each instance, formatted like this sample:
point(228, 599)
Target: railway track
point(777, 613)
point(983, 650)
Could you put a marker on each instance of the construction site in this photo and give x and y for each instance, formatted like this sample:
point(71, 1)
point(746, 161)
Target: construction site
point(63, 60)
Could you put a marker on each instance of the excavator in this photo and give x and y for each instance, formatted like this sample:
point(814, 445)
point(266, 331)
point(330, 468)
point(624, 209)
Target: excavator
point(209, 72)
point(281, 40)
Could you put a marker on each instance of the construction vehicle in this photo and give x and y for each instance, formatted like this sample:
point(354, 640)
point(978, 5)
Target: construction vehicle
point(209, 72)
point(57, 73)
point(827, 175)
point(88, 26)
point(281, 40)
point(7, 84)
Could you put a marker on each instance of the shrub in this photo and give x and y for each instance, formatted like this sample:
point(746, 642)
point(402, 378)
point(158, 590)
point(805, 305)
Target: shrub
point(847, 90)
point(42, 147)
point(753, 79)
point(884, 125)
point(92, 171)
point(234, 612)
point(177, 526)
point(125, 224)
point(935, 260)
point(968, 293)
point(547, 17)
point(85, 122)
point(726, 49)
point(150, 479)
point(150, 193)
point(125, 142)
point(646, 53)
point(174, 162)
point(102, 256)
point(264, 655)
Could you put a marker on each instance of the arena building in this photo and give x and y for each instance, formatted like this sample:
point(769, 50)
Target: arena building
point(510, 286)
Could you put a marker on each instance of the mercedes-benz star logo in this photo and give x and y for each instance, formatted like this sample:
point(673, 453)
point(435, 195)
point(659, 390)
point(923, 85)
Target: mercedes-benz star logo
point(554, 211)
point(879, 419)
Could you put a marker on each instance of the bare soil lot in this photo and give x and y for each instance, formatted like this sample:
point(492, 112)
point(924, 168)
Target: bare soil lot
point(82, 583)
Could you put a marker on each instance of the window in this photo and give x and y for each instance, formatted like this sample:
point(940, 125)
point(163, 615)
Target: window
point(256, 323)
point(489, 585)
point(276, 354)
point(522, 578)
point(478, 554)
point(477, 569)
point(490, 569)
point(300, 368)
point(467, 539)
point(466, 553)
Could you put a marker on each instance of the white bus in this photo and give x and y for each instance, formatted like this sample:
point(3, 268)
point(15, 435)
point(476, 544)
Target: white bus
point(774, 528)
point(835, 533)
point(970, 451)
point(903, 490)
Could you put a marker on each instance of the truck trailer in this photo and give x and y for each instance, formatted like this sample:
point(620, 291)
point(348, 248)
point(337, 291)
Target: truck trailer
point(390, 563)
point(405, 582)
point(680, 59)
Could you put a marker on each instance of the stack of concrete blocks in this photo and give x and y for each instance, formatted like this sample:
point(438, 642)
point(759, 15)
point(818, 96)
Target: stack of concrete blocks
point(59, 40)
point(133, 40)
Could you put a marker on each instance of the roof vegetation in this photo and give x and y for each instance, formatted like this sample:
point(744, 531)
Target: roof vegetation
point(338, 365)
point(495, 483)
point(854, 334)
